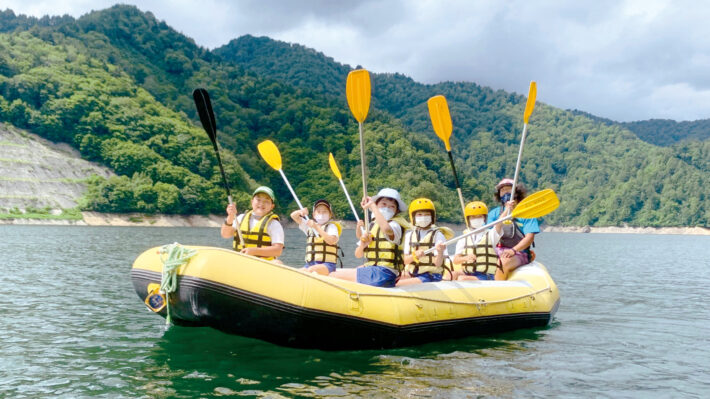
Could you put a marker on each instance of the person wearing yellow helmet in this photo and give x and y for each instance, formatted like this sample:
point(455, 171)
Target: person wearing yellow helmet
point(425, 234)
point(518, 236)
point(262, 233)
point(476, 253)
point(322, 235)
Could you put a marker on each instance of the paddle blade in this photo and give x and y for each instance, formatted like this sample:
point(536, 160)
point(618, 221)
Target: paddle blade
point(268, 151)
point(334, 166)
point(440, 119)
point(357, 90)
point(204, 110)
point(537, 205)
point(532, 94)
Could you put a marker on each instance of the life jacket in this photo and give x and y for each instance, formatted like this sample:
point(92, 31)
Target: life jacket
point(382, 252)
point(512, 234)
point(320, 251)
point(426, 263)
point(486, 257)
point(255, 237)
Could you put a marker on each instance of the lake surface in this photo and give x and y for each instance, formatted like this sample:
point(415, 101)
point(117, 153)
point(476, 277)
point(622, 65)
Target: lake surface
point(634, 322)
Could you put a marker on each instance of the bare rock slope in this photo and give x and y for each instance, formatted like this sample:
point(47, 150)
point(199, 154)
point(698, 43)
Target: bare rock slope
point(37, 173)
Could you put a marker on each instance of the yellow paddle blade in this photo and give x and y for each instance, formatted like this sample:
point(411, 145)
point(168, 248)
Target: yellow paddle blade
point(532, 94)
point(537, 205)
point(271, 154)
point(357, 90)
point(334, 166)
point(440, 119)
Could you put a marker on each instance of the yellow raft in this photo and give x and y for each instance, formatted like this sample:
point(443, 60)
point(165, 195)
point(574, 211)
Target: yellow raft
point(244, 295)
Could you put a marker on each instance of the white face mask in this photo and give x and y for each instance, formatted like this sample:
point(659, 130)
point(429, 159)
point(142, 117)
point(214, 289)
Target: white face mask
point(476, 222)
point(422, 221)
point(387, 213)
point(321, 218)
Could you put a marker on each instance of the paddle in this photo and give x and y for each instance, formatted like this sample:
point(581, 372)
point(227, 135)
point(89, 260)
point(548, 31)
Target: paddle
point(272, 156)
point(441, 121)
point(204, 110)
point(532, 93)
point(357, 91)
point(534, 206)
point(336, 172)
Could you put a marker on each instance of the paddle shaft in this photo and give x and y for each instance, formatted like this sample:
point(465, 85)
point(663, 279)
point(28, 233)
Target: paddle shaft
point(517, 164)
point(300, 206)
point(347, 195)
point(470, 233)
point(342, 184)
point(363, 164)
point(458, 185)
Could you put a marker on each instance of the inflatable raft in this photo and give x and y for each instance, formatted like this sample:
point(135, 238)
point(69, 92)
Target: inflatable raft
point(244, 295)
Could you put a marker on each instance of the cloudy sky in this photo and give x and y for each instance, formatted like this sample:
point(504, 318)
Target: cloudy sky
point(624, 60)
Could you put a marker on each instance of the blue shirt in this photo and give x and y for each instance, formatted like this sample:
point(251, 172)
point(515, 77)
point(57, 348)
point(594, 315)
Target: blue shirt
point(526, 225)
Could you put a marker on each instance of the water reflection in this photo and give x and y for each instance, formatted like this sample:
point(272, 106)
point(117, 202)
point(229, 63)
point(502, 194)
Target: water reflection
point(186, 361)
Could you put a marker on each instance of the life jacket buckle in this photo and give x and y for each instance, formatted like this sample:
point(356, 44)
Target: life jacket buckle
point(355, 296)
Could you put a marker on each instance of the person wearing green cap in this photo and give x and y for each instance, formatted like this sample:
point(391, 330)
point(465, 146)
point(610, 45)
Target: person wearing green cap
point(262, 233)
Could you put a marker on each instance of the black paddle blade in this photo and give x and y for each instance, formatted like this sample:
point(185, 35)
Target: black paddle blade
point(204, 109)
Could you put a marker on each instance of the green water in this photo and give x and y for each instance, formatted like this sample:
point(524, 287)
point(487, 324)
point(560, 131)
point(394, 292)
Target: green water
point(633, 322)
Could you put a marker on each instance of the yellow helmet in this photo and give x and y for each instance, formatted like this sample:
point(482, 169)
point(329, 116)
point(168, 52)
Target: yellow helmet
point(421, 204)
point(475, 208)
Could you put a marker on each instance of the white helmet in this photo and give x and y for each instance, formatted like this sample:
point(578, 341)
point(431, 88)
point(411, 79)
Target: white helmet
point(393, 194)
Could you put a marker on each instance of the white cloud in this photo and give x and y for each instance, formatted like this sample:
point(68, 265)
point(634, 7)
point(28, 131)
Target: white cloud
point(627, 60)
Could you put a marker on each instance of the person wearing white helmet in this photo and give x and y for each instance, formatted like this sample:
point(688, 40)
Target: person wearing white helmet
point(381, 246)
point(518, 235)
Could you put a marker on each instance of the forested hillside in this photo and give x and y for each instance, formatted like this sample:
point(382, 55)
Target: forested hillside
point(117, 84)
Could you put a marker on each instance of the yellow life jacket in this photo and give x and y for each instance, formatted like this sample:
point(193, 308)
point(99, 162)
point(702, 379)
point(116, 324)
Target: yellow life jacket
point(382, 252)
point(486, 257)
point(257, 236)
point(320, 251)
point(427, 262)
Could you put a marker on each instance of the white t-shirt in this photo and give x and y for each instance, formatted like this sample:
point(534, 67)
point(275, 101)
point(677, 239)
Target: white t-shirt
point(493, 238)
point(332, 229)
point(438, 237)
point(273, 228)
point(397, 230)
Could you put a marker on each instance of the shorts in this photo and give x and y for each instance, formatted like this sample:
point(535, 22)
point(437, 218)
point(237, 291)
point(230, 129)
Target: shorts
point(330, 265)
point(378, 276)
point(429, 277)
point(522, 256)
point(482, 276)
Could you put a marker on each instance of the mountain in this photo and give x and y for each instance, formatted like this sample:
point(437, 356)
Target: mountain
point(115, 84)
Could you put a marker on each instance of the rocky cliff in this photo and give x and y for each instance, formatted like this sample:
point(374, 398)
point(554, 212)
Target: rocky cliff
point(35, 173)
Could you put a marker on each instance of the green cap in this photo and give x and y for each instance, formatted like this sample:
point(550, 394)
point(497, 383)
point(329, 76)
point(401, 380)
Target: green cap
point(265, 190)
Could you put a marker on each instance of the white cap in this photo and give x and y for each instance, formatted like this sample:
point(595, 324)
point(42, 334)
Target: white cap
point(393, 194)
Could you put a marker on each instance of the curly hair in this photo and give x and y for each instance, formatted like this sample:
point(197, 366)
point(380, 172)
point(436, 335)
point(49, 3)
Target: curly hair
point(520, 193)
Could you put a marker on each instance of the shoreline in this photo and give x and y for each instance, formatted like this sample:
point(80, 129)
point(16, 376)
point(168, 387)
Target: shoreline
point(142, 220)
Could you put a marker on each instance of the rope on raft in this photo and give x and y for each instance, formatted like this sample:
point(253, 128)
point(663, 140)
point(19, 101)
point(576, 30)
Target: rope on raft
point(177, 256)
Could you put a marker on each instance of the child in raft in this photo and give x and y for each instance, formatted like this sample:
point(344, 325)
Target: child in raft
point(381, 246)
point(517, 236)
point(262, 233)
point(426, 234)
point(322, 237)
point(477, 253)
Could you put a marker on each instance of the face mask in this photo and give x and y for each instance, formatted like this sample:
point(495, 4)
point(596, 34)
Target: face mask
point(476, 223)
point(321, 217)
point(422, 221)
point(505, 198)
point(387, 213)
